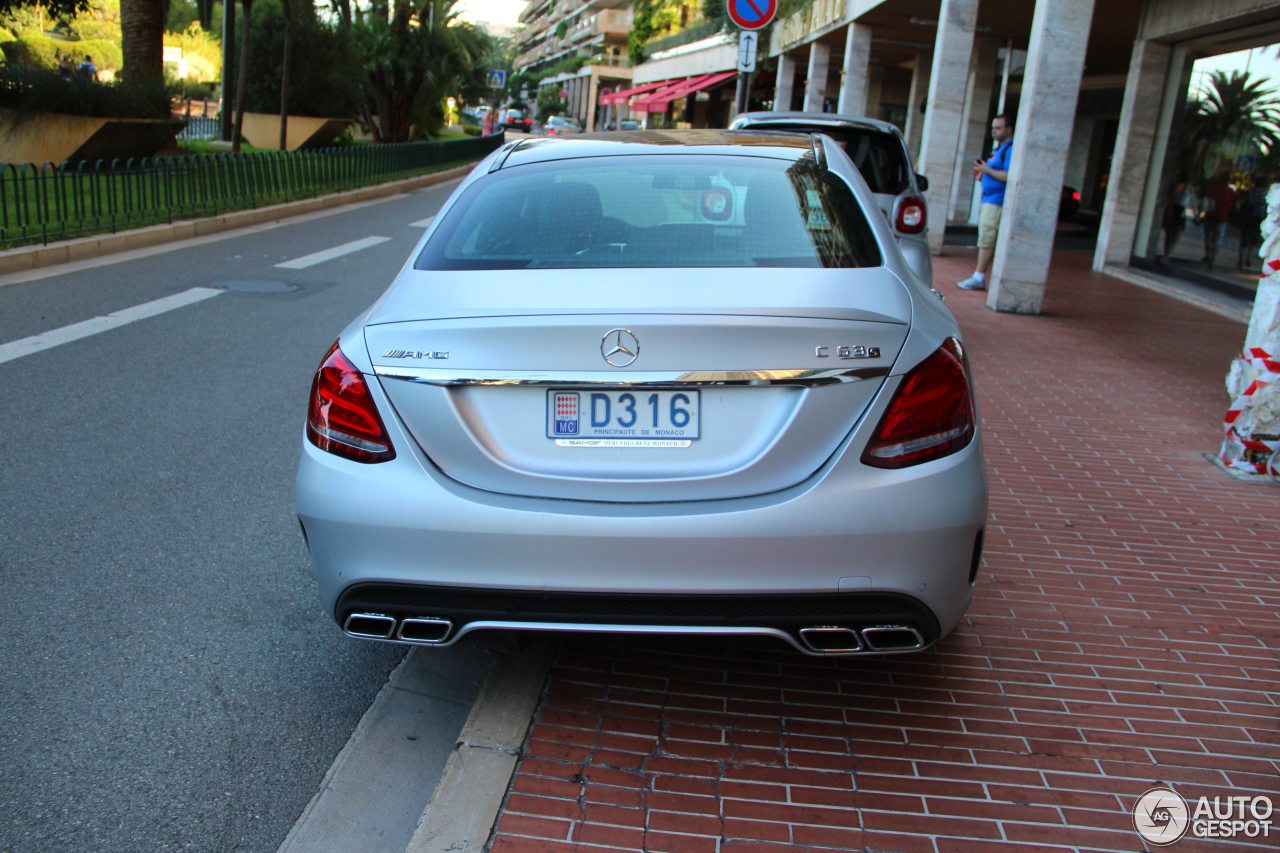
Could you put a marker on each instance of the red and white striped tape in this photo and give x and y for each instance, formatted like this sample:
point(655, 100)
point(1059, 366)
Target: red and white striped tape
point(1268, 367)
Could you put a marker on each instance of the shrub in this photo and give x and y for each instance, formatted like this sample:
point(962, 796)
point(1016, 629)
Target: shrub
point(106, 54)
point(39, 90)
point(32, 50)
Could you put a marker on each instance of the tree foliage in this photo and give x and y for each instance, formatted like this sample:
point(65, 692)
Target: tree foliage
point(1238, 115)
point(57, 8)
point(322, 79)
point(654, 19)
point(411, 55)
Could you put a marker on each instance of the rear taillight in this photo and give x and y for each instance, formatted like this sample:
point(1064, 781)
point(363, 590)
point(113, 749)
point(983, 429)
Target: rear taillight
point(341, 416)
point(930, 416)
point(911, 216)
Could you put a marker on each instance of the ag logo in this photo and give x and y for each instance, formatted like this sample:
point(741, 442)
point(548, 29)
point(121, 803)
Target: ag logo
point(1161, 816)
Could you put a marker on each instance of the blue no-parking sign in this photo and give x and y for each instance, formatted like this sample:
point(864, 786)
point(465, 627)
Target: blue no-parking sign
point(751, 14)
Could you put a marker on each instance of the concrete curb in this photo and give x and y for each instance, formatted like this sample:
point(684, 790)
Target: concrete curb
point(466, 802)
point(27, 258)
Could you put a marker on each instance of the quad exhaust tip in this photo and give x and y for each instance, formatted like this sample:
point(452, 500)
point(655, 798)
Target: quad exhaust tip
point(840, 640)
point(427, 630)
point(892, 638)
point(831, 639)
point(423, 630)
point(370, 626)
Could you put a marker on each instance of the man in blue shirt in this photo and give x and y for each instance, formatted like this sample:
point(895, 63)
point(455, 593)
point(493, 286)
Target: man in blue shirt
point(995, 178)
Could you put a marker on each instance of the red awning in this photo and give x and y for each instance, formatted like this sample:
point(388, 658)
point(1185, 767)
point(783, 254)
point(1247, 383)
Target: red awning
point(620, 97)
point(658, 101)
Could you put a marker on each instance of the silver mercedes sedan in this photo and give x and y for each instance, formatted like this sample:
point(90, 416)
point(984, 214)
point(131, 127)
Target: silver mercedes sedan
point(650, 383)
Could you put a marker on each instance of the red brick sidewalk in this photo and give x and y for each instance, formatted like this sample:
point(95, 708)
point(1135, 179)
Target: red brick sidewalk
point(1124, 632)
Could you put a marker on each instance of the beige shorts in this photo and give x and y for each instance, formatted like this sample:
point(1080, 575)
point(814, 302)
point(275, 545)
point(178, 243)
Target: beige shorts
point(988, 225)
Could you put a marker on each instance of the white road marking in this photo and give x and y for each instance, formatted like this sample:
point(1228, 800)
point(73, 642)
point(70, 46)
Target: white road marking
point(329, 254)
point(422, 223)
point(76, 331)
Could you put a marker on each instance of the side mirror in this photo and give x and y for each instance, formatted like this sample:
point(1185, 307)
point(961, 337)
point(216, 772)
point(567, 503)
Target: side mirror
point(922, 182)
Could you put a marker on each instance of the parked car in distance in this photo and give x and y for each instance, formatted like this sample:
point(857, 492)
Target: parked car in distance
point(1068, 204)
point(561, 126)
point(514, 119)
point(880, 153)
point(628, 124)
point(696, 391)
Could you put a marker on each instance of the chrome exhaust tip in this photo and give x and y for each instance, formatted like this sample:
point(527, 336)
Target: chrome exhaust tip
point(370, 626)
point(427, 630)
point(830, 639)
point(892, 638)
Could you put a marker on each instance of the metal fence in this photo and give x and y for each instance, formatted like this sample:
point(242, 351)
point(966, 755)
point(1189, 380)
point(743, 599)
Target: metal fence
point(39, 204)
point(200, 127)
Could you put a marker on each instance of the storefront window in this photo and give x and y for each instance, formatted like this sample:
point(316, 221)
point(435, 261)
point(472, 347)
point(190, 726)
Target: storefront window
point(1223, 158)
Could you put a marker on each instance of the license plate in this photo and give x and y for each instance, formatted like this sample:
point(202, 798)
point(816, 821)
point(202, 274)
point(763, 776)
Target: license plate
point(623, 418)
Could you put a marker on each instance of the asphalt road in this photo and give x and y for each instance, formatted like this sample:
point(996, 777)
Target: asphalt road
point(167, 678)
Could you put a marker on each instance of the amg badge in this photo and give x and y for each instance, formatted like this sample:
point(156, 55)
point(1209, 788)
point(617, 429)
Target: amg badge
point(410, 353)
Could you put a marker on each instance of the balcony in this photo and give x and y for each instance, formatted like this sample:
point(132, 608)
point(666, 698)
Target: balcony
point(609, 22)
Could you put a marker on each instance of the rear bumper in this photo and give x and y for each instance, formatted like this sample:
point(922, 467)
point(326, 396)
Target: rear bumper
point(851, 536)
point(814, 624)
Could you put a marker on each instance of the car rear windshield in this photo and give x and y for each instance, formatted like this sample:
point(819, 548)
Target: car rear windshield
point(654, 211)
point(878, 155)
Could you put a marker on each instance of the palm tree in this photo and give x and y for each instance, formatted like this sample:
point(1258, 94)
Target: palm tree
point(142, 41)
point(412, 54)
point(1238, 115)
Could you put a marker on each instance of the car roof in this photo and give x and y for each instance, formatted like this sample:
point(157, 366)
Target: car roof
point(632, 143)
point(763, 119)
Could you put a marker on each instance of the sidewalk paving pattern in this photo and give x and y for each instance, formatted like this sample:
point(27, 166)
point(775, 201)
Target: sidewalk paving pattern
point(1124, 632)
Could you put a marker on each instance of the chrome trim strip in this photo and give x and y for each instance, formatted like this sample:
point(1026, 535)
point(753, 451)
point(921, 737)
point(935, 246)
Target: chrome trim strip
point(801, 377)
point(608, 628)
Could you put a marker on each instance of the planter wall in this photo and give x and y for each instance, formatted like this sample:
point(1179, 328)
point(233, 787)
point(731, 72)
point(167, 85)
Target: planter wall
point(27, 137)
point(263, 131)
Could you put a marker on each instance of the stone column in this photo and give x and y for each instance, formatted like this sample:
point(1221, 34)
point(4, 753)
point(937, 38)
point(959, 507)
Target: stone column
point(785, 87)
point(919, 89)
point(975, 129)
point(952, 51)
point(593, 102)
point(856, 71)
point(1046, 113)
point(815, 88)
point(875, 84)
point(584, 99)
point(1139, 114)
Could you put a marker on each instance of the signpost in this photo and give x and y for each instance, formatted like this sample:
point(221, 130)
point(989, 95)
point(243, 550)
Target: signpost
point(750, 16)
point(748, 41)
point(497, 79)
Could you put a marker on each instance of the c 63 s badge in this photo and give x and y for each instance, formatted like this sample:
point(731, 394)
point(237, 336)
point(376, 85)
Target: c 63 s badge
point(413, 353)
point(847, 352)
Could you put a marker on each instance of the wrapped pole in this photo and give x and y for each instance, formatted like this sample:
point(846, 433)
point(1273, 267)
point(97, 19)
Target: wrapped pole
point(1251, 440)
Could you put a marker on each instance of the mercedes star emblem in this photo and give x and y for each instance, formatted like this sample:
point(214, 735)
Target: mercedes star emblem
point(619, 347)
